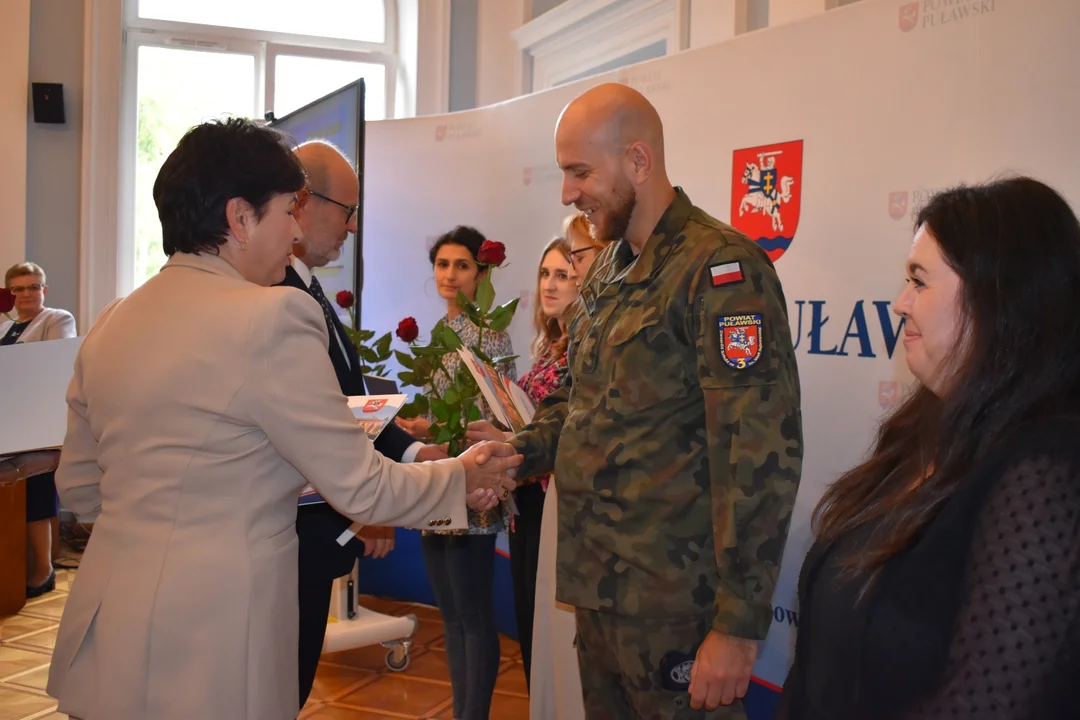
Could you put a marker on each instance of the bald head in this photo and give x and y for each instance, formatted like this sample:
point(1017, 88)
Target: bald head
point(322, 211)
point(324, 163)
point(615, 116)
point(609, 143)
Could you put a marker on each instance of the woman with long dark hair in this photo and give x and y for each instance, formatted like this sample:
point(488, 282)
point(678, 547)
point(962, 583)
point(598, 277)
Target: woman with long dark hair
point(945, 577)
point(461, 563)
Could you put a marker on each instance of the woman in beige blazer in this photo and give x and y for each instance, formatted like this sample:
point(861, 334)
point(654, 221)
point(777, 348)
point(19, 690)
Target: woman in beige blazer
point(190, 437)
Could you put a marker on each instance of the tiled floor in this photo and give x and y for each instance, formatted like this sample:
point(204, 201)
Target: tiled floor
point(353, 684)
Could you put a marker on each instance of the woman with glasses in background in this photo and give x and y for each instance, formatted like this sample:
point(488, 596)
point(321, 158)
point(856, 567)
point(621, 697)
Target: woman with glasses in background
point(34, 322)
point(584, 246)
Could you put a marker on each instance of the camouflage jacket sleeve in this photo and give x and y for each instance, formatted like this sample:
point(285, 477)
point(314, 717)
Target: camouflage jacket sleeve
point(748, 375)
point(539, 441)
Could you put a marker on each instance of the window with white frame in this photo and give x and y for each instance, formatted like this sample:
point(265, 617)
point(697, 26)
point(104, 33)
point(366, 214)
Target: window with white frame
point(186, 62)
point(574, 40)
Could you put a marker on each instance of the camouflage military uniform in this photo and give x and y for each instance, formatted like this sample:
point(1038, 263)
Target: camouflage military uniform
point(677, 447)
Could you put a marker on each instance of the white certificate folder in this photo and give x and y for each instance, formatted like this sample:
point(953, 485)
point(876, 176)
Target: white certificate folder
point(34, 379)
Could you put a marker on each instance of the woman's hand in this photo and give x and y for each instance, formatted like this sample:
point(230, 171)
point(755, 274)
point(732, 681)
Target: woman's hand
point(482, 430)
point(419, 428)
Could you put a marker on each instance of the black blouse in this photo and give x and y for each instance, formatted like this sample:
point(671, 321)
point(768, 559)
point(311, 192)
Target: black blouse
point(979, 619)
point(14, 332)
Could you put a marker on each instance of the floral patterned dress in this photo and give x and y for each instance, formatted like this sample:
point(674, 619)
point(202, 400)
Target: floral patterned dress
point(494, 345)
point(545, 378)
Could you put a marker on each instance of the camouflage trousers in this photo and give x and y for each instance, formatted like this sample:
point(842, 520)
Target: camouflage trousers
point(620, 657)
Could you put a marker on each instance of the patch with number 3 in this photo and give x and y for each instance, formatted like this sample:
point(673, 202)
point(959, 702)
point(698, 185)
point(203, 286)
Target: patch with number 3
point(740, 340)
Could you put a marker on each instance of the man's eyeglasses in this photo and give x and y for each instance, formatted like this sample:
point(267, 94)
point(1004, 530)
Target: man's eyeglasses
point(350, 210)
point(16, 289)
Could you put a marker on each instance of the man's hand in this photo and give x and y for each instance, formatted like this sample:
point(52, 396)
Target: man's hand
point(491, 465)
point(482, 430)
point(431, 452)
point(378, 541)
point(418, 427)
point(721, 672)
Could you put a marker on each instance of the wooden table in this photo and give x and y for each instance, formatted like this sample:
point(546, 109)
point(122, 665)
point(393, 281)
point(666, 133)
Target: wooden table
point(12, 548)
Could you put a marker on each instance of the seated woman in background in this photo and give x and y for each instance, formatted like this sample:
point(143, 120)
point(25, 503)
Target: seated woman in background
point(33, 323)
point(945, 577)
point(461, 563)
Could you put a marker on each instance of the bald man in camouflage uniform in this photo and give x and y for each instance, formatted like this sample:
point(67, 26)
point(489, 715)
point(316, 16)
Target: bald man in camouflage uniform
point(677, 441)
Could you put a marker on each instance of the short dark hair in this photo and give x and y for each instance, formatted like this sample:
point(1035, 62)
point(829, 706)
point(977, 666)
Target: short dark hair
point(213, 163)
point(468, 237)
point(1015, 244)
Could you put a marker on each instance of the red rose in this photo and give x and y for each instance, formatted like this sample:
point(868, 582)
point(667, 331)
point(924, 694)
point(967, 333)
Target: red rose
point(345, 299)
point(7, 300)
point(407, 330)
point(492, 253)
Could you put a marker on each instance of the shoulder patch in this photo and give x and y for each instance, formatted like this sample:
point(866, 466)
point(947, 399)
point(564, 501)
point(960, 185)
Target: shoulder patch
point(740, 340)
point(726, 274)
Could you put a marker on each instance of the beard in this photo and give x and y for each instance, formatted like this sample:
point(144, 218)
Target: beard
point(619, 218)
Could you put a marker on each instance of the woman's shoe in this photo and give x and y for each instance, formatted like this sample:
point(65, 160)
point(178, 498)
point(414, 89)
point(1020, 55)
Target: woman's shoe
point(48, 586)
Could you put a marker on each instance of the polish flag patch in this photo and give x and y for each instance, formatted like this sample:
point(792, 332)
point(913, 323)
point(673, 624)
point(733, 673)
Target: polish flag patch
point(726, 274)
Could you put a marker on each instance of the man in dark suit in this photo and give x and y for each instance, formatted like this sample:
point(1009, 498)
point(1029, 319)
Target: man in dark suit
point(326, 214)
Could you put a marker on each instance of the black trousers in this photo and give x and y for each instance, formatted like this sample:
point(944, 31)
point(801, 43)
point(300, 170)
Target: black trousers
point(524, 558)
point(322, 560)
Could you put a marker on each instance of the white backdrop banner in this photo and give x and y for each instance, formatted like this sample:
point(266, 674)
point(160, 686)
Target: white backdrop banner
point(856, 116)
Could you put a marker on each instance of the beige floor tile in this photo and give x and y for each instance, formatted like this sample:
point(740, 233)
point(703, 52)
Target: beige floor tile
point(505, 707)
point(331, 712)
point(15, 625)
point(430, 666)
point(41, 641)
point(17, 705)
point(371, 658)
point(399, 693)
point(35, 679)
point(49, 606)
point(332, 681)
point(508, 649)
point(15, 660)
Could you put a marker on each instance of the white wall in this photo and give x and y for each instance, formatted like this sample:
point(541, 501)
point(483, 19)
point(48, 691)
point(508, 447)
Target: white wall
point(14, 109)
point(498, 61)
point(53, 152)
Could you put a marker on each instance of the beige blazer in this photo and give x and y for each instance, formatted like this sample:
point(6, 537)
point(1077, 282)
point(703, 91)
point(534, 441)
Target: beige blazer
point(198, 407)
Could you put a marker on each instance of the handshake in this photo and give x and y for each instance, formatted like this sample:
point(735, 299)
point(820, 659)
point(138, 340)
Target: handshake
point(490, 462)
point(490, 472)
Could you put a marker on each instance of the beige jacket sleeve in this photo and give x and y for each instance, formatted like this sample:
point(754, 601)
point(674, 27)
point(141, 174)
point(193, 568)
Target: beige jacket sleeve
point(292, 394)
point(78, 476)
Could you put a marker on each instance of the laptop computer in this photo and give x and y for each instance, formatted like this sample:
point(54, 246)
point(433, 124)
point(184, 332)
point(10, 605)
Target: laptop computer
point(380, 386)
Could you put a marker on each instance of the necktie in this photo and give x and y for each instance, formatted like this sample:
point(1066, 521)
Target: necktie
point(327, 309)
point(330, 315)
